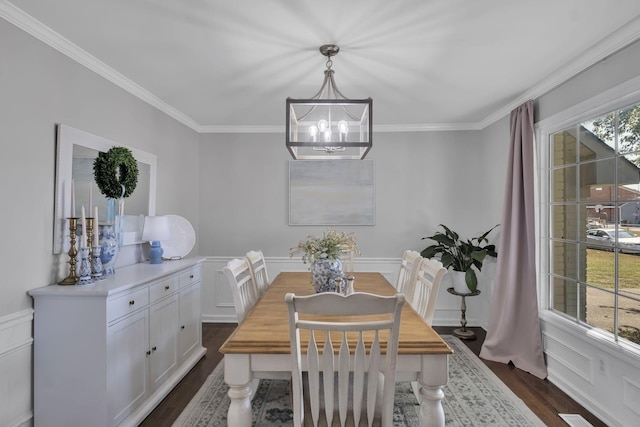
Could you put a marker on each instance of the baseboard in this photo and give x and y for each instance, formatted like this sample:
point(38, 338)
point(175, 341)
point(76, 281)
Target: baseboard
point(213, 318)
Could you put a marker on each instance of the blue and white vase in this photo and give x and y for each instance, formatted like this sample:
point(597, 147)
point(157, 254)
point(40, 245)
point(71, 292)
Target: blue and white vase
point(109, 249)
point(84, 271)
point(323, 274)
point(96, 264)
point(109, 242)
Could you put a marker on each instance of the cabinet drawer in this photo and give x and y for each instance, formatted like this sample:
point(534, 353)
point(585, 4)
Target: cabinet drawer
point(162, 289)
point(128, 303)
point(189, 277)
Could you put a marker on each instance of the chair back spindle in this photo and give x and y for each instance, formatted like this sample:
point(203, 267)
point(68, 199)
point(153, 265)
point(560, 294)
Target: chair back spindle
point(351, 361)
point(408, 269)
point(258, 268)
point(427, 283)
point(243, 288)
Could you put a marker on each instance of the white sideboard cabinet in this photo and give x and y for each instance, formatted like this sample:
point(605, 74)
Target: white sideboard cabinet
point(107, 353)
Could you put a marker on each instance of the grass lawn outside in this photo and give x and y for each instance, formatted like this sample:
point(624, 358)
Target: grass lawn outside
point(600, 269)
point(601, 304)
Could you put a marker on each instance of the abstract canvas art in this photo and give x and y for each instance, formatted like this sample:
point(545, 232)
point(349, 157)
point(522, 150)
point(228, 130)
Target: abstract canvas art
point(331, 192)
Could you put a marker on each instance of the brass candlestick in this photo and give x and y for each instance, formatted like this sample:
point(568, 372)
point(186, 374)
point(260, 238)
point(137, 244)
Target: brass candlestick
point(72, 278)
point(89, 236)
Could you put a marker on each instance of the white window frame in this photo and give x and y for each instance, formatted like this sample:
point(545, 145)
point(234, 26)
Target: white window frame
point(617, 97)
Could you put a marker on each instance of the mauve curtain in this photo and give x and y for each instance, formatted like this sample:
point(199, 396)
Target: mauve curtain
point(513, 333)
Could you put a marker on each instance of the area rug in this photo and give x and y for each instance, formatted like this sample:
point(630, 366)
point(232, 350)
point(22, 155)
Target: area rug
point(474, 396)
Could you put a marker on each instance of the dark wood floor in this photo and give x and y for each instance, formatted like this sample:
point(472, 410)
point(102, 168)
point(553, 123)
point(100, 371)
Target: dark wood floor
point(545, 399)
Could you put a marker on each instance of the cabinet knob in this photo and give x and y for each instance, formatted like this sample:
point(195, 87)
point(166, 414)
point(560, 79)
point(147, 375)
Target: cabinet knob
point(182, 327)
point(148, 352)
point(166, 288)
point(154, 348)
point(132, 302)
point(191, 277)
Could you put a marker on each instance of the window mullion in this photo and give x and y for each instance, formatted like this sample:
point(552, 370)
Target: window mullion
point(616, 203)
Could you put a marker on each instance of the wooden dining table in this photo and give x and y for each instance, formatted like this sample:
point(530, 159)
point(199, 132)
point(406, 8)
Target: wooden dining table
point(260, 347)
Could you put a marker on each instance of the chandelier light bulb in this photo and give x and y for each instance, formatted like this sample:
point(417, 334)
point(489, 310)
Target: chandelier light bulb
point(323, 125)
point(327, 135)
point(313, 132)
point(343, 127)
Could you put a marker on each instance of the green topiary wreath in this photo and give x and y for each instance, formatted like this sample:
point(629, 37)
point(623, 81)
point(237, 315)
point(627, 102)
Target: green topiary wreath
point(113, 169)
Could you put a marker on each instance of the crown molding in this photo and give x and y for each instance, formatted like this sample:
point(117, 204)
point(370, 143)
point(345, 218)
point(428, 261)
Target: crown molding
point(426, 127)
point(37, 29)
point(622, 37)
point(242, 129)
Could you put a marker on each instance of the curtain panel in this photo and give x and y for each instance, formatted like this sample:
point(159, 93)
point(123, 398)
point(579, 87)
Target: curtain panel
point(513, 333)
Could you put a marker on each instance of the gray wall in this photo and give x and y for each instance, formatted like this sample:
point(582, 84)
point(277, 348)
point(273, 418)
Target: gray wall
point(233, 188)
point(40, 87)
point(421, 180)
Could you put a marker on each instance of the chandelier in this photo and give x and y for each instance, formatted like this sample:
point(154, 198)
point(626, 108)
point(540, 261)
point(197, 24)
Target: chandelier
point(329, 125)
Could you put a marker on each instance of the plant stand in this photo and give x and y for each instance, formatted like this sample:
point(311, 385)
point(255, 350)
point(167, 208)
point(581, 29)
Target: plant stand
point(463, 332)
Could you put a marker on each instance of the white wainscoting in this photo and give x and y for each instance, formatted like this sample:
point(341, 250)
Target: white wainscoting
point(16, 369)
point(601, 376)
point(217, 302)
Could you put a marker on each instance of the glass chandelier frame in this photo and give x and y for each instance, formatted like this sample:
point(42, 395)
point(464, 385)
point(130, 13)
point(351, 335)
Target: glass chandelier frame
point(329, 125)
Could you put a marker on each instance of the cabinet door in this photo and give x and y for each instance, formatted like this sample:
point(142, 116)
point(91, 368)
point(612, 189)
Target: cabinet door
point(190, 320)
point(127, 360)
point(163, 339)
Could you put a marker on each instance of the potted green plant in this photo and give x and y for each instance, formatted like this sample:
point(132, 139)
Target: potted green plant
point(461, 255)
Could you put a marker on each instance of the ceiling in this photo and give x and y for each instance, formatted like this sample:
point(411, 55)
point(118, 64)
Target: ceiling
point(228, 66)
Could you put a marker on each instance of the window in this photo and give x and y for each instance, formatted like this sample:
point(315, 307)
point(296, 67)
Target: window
point(593, 213)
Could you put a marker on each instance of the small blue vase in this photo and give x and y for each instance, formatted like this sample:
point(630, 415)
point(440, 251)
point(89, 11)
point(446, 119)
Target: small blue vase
point(323, 274)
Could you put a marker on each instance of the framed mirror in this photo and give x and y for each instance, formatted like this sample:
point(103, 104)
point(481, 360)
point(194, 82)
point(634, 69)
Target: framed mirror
point(76, 150)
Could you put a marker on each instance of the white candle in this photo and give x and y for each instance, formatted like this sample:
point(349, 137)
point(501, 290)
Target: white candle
point(90, 198)
point(73, 200)
point(95, 226)
point(83, 239)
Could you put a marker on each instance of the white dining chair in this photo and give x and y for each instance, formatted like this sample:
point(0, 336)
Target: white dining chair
point(243, 288)
point(428, 277)
point(408, 269)
point(258, 268)
point(427, 282)
point(356, 380)
point(245, 295)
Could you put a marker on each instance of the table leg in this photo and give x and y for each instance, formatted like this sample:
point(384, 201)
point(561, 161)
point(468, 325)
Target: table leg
point(237, 375)
point(433, 377)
